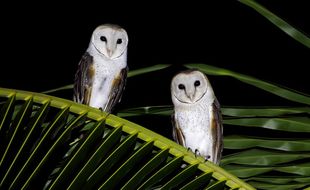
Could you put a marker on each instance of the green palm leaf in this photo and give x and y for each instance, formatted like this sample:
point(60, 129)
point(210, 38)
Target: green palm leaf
point(226, 111)
point(271, 158)
point(264, 111)
point(148, 110)
point(252, 156)
point(130, 74)
point(268, 186)
point(280, 23)
point(261, 156)
point(293, 124)
point(147, 69)
point(274, 89)
point(282, 180)
point(245, 171)
point(47, 146)
point(285, 144)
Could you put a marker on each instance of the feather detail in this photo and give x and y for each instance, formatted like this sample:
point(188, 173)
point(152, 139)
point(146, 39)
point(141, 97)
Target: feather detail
point(117, 89)
point(217, 131)
point(177, 133)
point(84, 79)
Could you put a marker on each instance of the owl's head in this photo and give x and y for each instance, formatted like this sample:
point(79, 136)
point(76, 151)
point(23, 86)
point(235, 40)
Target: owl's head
point(189, 87)
point(110, 40)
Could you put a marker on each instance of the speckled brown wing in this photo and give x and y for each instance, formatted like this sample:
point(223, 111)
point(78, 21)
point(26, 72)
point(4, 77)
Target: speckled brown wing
point(177, 133)
point(117, 89)
point(217, 131)
point(83, 80)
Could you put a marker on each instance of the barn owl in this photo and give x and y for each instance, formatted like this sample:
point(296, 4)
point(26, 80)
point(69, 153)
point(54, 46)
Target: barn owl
point(102, 71)
point(197, 120)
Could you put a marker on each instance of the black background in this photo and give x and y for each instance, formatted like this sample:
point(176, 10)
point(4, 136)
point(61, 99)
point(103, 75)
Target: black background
point(42, 43)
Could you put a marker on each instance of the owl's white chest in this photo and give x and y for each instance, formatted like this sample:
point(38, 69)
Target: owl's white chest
point(195, 125)
point(105, 73)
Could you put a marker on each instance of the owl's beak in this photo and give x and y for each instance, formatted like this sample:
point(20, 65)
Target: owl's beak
point(110, 52)
point(191, 97)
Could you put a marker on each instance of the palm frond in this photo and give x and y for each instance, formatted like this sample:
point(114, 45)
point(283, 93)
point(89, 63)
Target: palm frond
point(47, 146)
point(279, 22)
point(130, 74)
point(259, 142)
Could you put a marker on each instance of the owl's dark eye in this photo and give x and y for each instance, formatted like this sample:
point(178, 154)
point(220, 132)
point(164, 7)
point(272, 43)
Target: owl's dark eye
point(103, 38)
point(181, 86)
point(119, 41)
point(197, 83)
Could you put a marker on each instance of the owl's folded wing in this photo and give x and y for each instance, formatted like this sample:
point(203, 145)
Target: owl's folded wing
point(217, 131)
point(117, 89)
point(84, 79)
point(177, 133)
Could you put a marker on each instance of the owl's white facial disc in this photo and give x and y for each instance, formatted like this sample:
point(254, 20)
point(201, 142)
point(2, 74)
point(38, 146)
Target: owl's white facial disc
point(110, 40)
point(189, 87)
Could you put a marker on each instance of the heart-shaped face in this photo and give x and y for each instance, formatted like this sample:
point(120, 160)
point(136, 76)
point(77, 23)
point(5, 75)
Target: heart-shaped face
point(110, 40)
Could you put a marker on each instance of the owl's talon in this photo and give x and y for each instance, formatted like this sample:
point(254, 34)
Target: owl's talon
point(197, 153)
point(207, 157)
